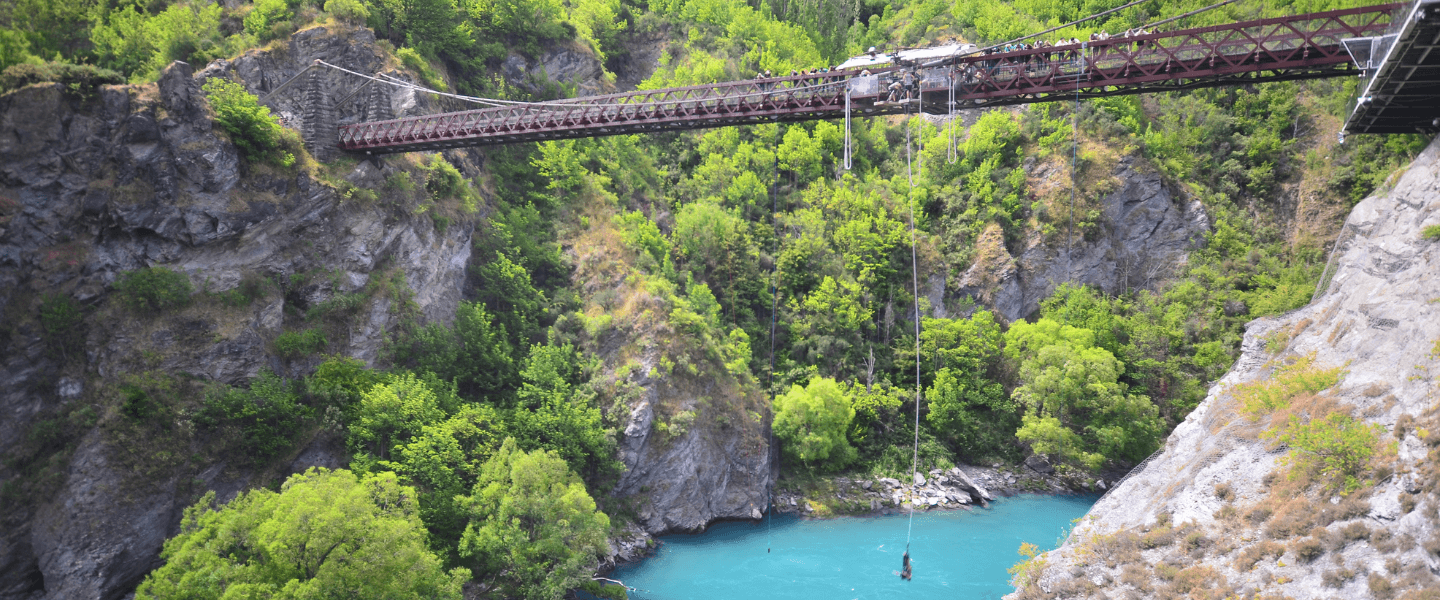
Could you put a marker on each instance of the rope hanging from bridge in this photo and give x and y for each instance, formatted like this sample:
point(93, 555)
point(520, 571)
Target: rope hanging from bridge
point(847, 128)
point(774, 303)
point(1074, 156)
point(915, 282)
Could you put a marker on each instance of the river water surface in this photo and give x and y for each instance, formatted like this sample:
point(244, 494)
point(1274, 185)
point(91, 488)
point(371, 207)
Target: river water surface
point(956, 554)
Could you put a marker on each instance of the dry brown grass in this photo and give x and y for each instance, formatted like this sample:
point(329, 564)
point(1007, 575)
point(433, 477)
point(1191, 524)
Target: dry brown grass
point(1307, 549)
point(1256, 553)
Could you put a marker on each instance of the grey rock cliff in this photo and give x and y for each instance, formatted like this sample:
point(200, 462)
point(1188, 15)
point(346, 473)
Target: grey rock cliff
point(713, 470)
point(139, 176)
point(1379, 319)
point(1146, 233)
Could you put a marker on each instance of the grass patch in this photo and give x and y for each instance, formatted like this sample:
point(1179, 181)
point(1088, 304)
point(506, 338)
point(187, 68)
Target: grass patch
point(295, 344)
point(1431, 233)
point(1288, 381)
point(154, 289)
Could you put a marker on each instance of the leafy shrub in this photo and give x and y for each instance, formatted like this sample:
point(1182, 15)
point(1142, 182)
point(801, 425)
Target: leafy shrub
point(533, 527)
point(269, 19)
point(140, 44)
point(60, 320)
point(266, 417)
point(444, 182)
point(607, 591)
point(1256, 553)
point(256, 133)
point(1338, 447)
point(348, 11)
point(413, 61)
point(1287, 382)
point(341, 380)
point(252, 287)
point(154, 289)
point(812, 421)
point(79, 79)
point(1027, 571)
point(295, 344)
point(324, 534)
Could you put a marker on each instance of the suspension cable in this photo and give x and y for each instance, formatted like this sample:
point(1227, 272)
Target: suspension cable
point(952, 152)
point(576, 102)
point(774, 300)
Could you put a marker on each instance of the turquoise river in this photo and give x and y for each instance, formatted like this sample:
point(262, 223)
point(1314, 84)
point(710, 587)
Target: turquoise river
point(959, 554)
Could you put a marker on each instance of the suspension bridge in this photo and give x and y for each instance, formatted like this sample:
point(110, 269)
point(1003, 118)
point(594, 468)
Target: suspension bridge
point(1391, 45)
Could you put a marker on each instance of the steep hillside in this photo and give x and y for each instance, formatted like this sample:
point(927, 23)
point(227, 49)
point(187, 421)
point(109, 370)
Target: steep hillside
point(1311, 469)
point(133, 177)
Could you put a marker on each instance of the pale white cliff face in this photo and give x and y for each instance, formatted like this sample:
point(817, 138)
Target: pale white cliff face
point(1379, 318)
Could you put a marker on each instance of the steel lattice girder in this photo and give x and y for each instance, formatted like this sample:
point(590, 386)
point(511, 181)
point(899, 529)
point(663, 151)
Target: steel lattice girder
point(1283, 48)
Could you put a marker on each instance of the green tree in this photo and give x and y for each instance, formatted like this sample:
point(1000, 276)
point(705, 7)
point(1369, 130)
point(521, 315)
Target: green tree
point(812, 422)
point(556, 413)
point(392, 413)
point(267, 18)
point(267, 417)
point(533, 530)
point(475, 353)
point(1067, 378)
point(325, 534)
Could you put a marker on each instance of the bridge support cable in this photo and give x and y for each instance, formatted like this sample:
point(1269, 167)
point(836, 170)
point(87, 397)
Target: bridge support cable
point(952, 152)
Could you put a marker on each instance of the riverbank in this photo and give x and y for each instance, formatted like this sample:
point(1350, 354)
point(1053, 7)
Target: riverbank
point(857, 495)
point(954, 488)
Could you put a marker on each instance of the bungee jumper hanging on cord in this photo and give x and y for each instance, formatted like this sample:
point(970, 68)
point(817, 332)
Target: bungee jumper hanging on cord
point(905, 571)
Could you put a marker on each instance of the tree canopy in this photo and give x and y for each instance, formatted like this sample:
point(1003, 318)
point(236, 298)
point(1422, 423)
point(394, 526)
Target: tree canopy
point(533, 528)
point(811, 423)
point(325, 534)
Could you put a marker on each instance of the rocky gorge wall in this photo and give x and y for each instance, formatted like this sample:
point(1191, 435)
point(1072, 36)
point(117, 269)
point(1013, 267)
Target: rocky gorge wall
point(1144, 233)
point(1204, 518)
point(136, 176)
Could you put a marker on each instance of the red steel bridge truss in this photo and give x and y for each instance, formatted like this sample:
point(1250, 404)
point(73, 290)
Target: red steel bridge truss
point(1303, 46)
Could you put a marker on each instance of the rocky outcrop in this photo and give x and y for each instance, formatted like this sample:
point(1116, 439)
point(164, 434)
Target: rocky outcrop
point(1378, 319)
point(137, 176)
point(569, 63)
point(1145, 233)
point(712, 470)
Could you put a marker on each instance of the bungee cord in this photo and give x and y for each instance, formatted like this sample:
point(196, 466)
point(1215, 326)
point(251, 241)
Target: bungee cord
point(847, 128)
point(1074, 156)
point(774, 300)
point(915, 282)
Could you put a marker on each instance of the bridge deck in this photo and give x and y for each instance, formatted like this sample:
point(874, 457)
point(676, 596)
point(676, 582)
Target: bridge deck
point(1402, 92)
point(1285, 48)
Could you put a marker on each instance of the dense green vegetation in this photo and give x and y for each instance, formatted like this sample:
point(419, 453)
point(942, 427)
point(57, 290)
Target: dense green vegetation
point(324, 534)
point(486, 447)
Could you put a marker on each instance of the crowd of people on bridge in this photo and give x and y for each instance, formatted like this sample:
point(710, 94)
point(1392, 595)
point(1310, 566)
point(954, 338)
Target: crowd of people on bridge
point(808, 77)
point(1067, 49)
point(904, 84)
